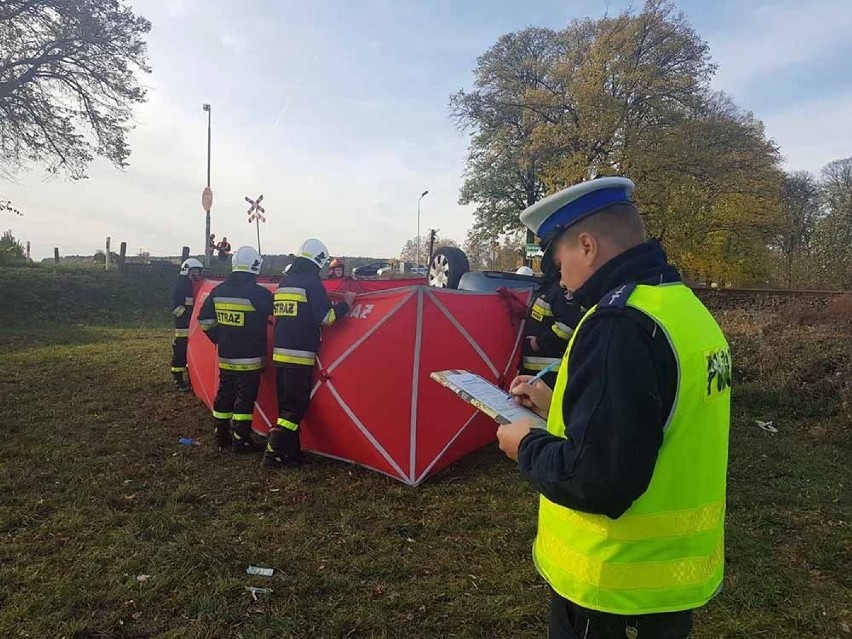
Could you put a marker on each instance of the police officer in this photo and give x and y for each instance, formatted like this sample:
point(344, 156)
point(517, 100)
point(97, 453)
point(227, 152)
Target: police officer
point(551, 320)
point(183, 301)
point(302, 308)
point(632, 466)
point(235, 318)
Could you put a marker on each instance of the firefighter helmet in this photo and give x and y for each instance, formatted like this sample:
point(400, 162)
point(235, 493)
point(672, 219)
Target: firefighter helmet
point(189, 264)
point(247, 260)
point(315, 251)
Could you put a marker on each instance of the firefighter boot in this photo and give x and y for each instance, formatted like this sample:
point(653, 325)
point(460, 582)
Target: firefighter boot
point(275, 455)
point(223, 434)
point(243, 439)
point(180, 385)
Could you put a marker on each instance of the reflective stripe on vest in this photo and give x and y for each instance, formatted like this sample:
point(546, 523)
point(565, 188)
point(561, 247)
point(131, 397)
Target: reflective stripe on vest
point(188, 301)
point(241, 363)
point(537, 363)
point(181, 332)
point(292, 356)
point(666, 553)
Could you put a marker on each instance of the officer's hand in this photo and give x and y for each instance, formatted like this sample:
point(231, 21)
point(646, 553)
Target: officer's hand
point(510, 435)
point(349, 297)
point(536, 396)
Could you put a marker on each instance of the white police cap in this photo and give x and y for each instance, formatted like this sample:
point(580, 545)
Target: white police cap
point(566, 207)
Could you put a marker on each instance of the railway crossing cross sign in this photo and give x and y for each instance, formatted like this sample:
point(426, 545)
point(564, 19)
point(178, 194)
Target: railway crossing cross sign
point(256, 215)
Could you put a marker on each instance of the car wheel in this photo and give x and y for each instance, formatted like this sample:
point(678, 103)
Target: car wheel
point(448, 265)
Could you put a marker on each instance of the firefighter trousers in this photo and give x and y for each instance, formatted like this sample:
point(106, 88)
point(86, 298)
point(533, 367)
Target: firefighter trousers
point(293, 387)
point(236, 395)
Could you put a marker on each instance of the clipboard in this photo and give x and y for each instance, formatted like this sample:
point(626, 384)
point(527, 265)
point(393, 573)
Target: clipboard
point(486, 397)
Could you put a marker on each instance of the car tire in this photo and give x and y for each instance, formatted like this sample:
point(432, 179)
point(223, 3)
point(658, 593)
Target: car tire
point(447, 267)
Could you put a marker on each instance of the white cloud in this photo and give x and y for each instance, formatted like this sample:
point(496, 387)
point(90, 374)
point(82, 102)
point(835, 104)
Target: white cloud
point(776, 36)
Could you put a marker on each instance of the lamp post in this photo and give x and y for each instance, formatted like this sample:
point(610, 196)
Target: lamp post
point(207, 249)
point(422, 195)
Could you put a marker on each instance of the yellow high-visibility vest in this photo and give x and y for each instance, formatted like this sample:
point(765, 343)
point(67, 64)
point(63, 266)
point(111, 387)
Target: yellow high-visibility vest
point(666, 553)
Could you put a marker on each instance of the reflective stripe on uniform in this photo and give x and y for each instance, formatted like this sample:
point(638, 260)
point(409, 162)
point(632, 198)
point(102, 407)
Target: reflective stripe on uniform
point(543, 307)
point(232, 304)
point(242, 417)
point(291, 294)
point(241, 363)
point(207, 324)
point(181, 332)
point(188, 301)
point(178, 311)
point(220, 415)
point(538, 363)
point(178, 369)
point(563, 331)
point(292, 356)
point(286, 423)
point(330, 318)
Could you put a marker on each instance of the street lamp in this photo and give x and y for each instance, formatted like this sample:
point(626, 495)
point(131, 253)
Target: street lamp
point(207, 249)
point(422, 195)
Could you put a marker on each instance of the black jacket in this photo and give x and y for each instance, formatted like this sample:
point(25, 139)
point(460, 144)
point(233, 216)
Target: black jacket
point(302, 308)
point(239, 333)
point(552, 318)
point(183, 300)
point(622, 379)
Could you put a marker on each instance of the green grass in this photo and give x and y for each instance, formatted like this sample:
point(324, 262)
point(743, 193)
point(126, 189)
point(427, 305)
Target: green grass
point(95, 491)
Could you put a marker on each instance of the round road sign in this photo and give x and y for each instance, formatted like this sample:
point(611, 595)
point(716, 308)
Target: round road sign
point(207, 198)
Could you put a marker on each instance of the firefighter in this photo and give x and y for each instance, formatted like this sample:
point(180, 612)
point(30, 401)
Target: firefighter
point(550, 322)
point(183, 300)
point(235, 317)
point(336, 269)
point(301, 309)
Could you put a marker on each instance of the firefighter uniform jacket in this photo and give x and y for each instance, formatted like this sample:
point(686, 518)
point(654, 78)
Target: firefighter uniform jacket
point(183, 299)
point(234, 316)
point(552, 320)
point(302, 308)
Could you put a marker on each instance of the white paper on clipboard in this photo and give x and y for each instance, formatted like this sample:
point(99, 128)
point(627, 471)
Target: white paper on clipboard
point(490, 399)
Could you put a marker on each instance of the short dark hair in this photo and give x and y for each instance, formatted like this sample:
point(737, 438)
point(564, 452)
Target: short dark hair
point(621, 223)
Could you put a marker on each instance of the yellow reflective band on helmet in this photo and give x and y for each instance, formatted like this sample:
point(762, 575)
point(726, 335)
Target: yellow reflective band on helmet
point(242, 417)
point(286, 423)
point(563, 331)
point(241, 268)
point(219, 415)
point(330, 318)
point(181, 332)
point(292, 356)
point(178, 369)
point(241, 363)
point(690, 571)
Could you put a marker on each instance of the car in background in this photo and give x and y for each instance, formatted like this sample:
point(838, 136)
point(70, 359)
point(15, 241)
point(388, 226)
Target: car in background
point(370, 270)
point(409, 269)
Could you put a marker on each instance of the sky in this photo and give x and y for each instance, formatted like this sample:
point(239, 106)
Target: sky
point(336, 111)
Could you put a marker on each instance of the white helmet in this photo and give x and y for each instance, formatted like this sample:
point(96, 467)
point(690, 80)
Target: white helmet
point(190, 264)
point(247, 260)
point(525, 270)
point(315, 251)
